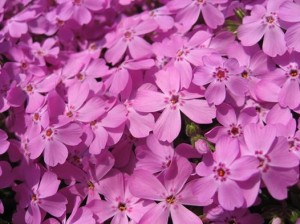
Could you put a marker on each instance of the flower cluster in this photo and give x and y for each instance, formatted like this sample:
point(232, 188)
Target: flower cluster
point(141, 112)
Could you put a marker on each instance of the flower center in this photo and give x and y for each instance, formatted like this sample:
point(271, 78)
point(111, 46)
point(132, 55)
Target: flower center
point(29, 88)
point(69, 114)
point(122, 207)
point(91, 185)
point(245, 74)
point(174, 99)
point(200, 1)
point(34, 198)
point(76, 160)
point(180, 53)
point(235, 130)
point(220, 74)
point(60, 22)
point(36, 117)
point(128, 35)
point(77, 2)
point(49, 132)
point(93, 123)
point(270, 19)
point(80, 76)
point(294, 73)
point(221, 172)
point(170, 199)
point(24, 65)
point(232, 221)
point(263, 160)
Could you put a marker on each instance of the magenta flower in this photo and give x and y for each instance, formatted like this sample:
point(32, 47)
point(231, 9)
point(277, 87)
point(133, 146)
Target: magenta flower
point(128, 36)
point(107, 129)
point(119, 203)
point(45, 52)
point(190, 10)
point(232, 124)
point(80, 106)
point(220, 74)
point(80, 9)
point(87, 73)
point(53, 140)
point(23, 62)
point(78, 215)
point(274, 158)
point(172, 100)
point(86, 181)
point(171, 194)
point(218, 215)
point(224, 173)
point(155, 156)
point(264, 22)
point(39, 193)
point(255, 63)
point(17, 25)
point(117, 79)
point(4, 144)
point(289, 73)
point(289, 12)
point(162, 16)
point(185, 53)
point(6, 175)
point(138, 123)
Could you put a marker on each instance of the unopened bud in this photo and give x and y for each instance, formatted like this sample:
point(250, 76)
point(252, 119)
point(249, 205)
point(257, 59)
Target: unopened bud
point(201, 146)
point(276, 220)
point(191, 129)
point(240, 13)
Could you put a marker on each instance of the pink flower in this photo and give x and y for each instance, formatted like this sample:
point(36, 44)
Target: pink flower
point(171, 193)
point(162, 16)
point(80, 9)
point(155, 156)
point(39, 192)
point(4, 144)
point(78, 215)
point(289, 73)
point(289, 12)
point(119, 203)
point(222, 74)
point(128, 36)
point(172, 100)
point(86, 181)
point(224, 173)
point(264, 22)
point(82, 107)
point(45, 52)
point(107, 129)
point(17, 25)
point(118, 78)
point(185, 53)
point(53, 141)
point(138, 123)
point(232, 124)
point(189, 11)
point(274, 158)
point(241, 215)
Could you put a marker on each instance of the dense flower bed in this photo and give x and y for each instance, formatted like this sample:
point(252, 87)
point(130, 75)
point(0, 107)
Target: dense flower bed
point(149, 112)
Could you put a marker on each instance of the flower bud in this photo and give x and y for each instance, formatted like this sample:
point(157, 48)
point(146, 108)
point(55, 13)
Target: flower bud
point(191, 129)
point(276, 220)
point(201, 146)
